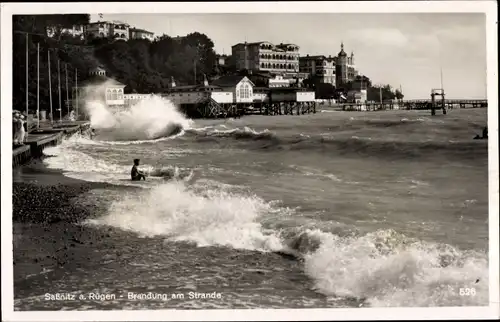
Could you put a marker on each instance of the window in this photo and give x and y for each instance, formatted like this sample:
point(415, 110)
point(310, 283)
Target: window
point(114, 96)
point(245, 91)
point(108, 95)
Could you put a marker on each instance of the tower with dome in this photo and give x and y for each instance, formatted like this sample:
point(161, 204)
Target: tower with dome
point(345, 69)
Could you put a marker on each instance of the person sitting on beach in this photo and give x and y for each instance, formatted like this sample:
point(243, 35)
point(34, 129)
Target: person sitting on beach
point(135, 173)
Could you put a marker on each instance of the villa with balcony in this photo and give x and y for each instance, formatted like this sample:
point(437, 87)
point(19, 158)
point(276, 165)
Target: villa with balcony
point(265, 56)
point(136, 33)
point(75, 31)
point(106, 29)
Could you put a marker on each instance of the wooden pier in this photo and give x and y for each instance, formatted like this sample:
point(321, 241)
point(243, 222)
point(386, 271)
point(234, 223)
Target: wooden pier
point(37, 141)
point(212, 109)
point(411, 105)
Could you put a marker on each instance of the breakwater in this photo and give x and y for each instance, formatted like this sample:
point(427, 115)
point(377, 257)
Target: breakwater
point(40, 139)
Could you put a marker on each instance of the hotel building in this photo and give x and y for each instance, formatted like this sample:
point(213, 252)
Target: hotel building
point(319, 68)
point(75, 31)
point(265, 56)
point(107, 29)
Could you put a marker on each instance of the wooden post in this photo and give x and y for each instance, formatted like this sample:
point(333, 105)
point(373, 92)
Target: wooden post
point(50, 89)
point(76, 94)
point(67, 91)
point(38, 85)
point(27, 87)
point(59, 88)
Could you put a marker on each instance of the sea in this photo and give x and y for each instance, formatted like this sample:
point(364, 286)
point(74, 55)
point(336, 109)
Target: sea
point(332, 209)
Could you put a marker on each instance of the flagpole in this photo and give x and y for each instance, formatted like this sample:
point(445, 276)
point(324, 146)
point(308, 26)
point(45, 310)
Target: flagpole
point(59, 88)
point(76, 93)
point(50, 89)
point(38, 85)
point(67, 92)
point(27, 86)
point(441, 71)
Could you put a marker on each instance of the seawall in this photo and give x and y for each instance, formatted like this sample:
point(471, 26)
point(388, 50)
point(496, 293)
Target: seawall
point(40, 139)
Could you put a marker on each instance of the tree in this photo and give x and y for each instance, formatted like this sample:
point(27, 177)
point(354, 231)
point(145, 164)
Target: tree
point(325, 91)
point(203, 50)
point(61, 48)
point(399, 95)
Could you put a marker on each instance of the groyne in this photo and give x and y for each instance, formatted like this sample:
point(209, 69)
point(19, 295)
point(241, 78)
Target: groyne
point(40, 139)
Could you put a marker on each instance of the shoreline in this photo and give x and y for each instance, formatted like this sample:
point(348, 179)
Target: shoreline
point(36, 141)
point(46, 236)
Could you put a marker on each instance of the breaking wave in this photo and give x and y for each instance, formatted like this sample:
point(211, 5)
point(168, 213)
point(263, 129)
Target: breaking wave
point(380, 269)
point(79, 165)
point(394, 147)
point(148, 119)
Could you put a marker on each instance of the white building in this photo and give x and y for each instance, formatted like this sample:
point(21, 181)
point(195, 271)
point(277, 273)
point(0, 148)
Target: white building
point(135, 33)
point(75, 31)
point(319, 67)
point(107, 29)
point(240, 86)
point(357, 96)
point(98, 87)
point(279, 81)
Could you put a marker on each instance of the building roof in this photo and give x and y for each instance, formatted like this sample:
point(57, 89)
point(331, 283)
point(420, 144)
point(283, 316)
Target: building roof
point(115, 22)
point(329, 58)
point(97, 80)
point(254, 43)
point(288, 45)
point(229, 81)
point(192, 87)
point(141, 30)
point(263, 73)
point(342, 53)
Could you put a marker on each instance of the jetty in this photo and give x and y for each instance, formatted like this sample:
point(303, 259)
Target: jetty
point(46, 135)
point(422, 104)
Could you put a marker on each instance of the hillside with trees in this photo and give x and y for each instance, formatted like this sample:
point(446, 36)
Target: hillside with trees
point(144, 66)
point(30, 31)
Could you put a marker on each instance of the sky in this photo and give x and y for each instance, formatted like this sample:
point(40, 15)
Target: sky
point(400, 49)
